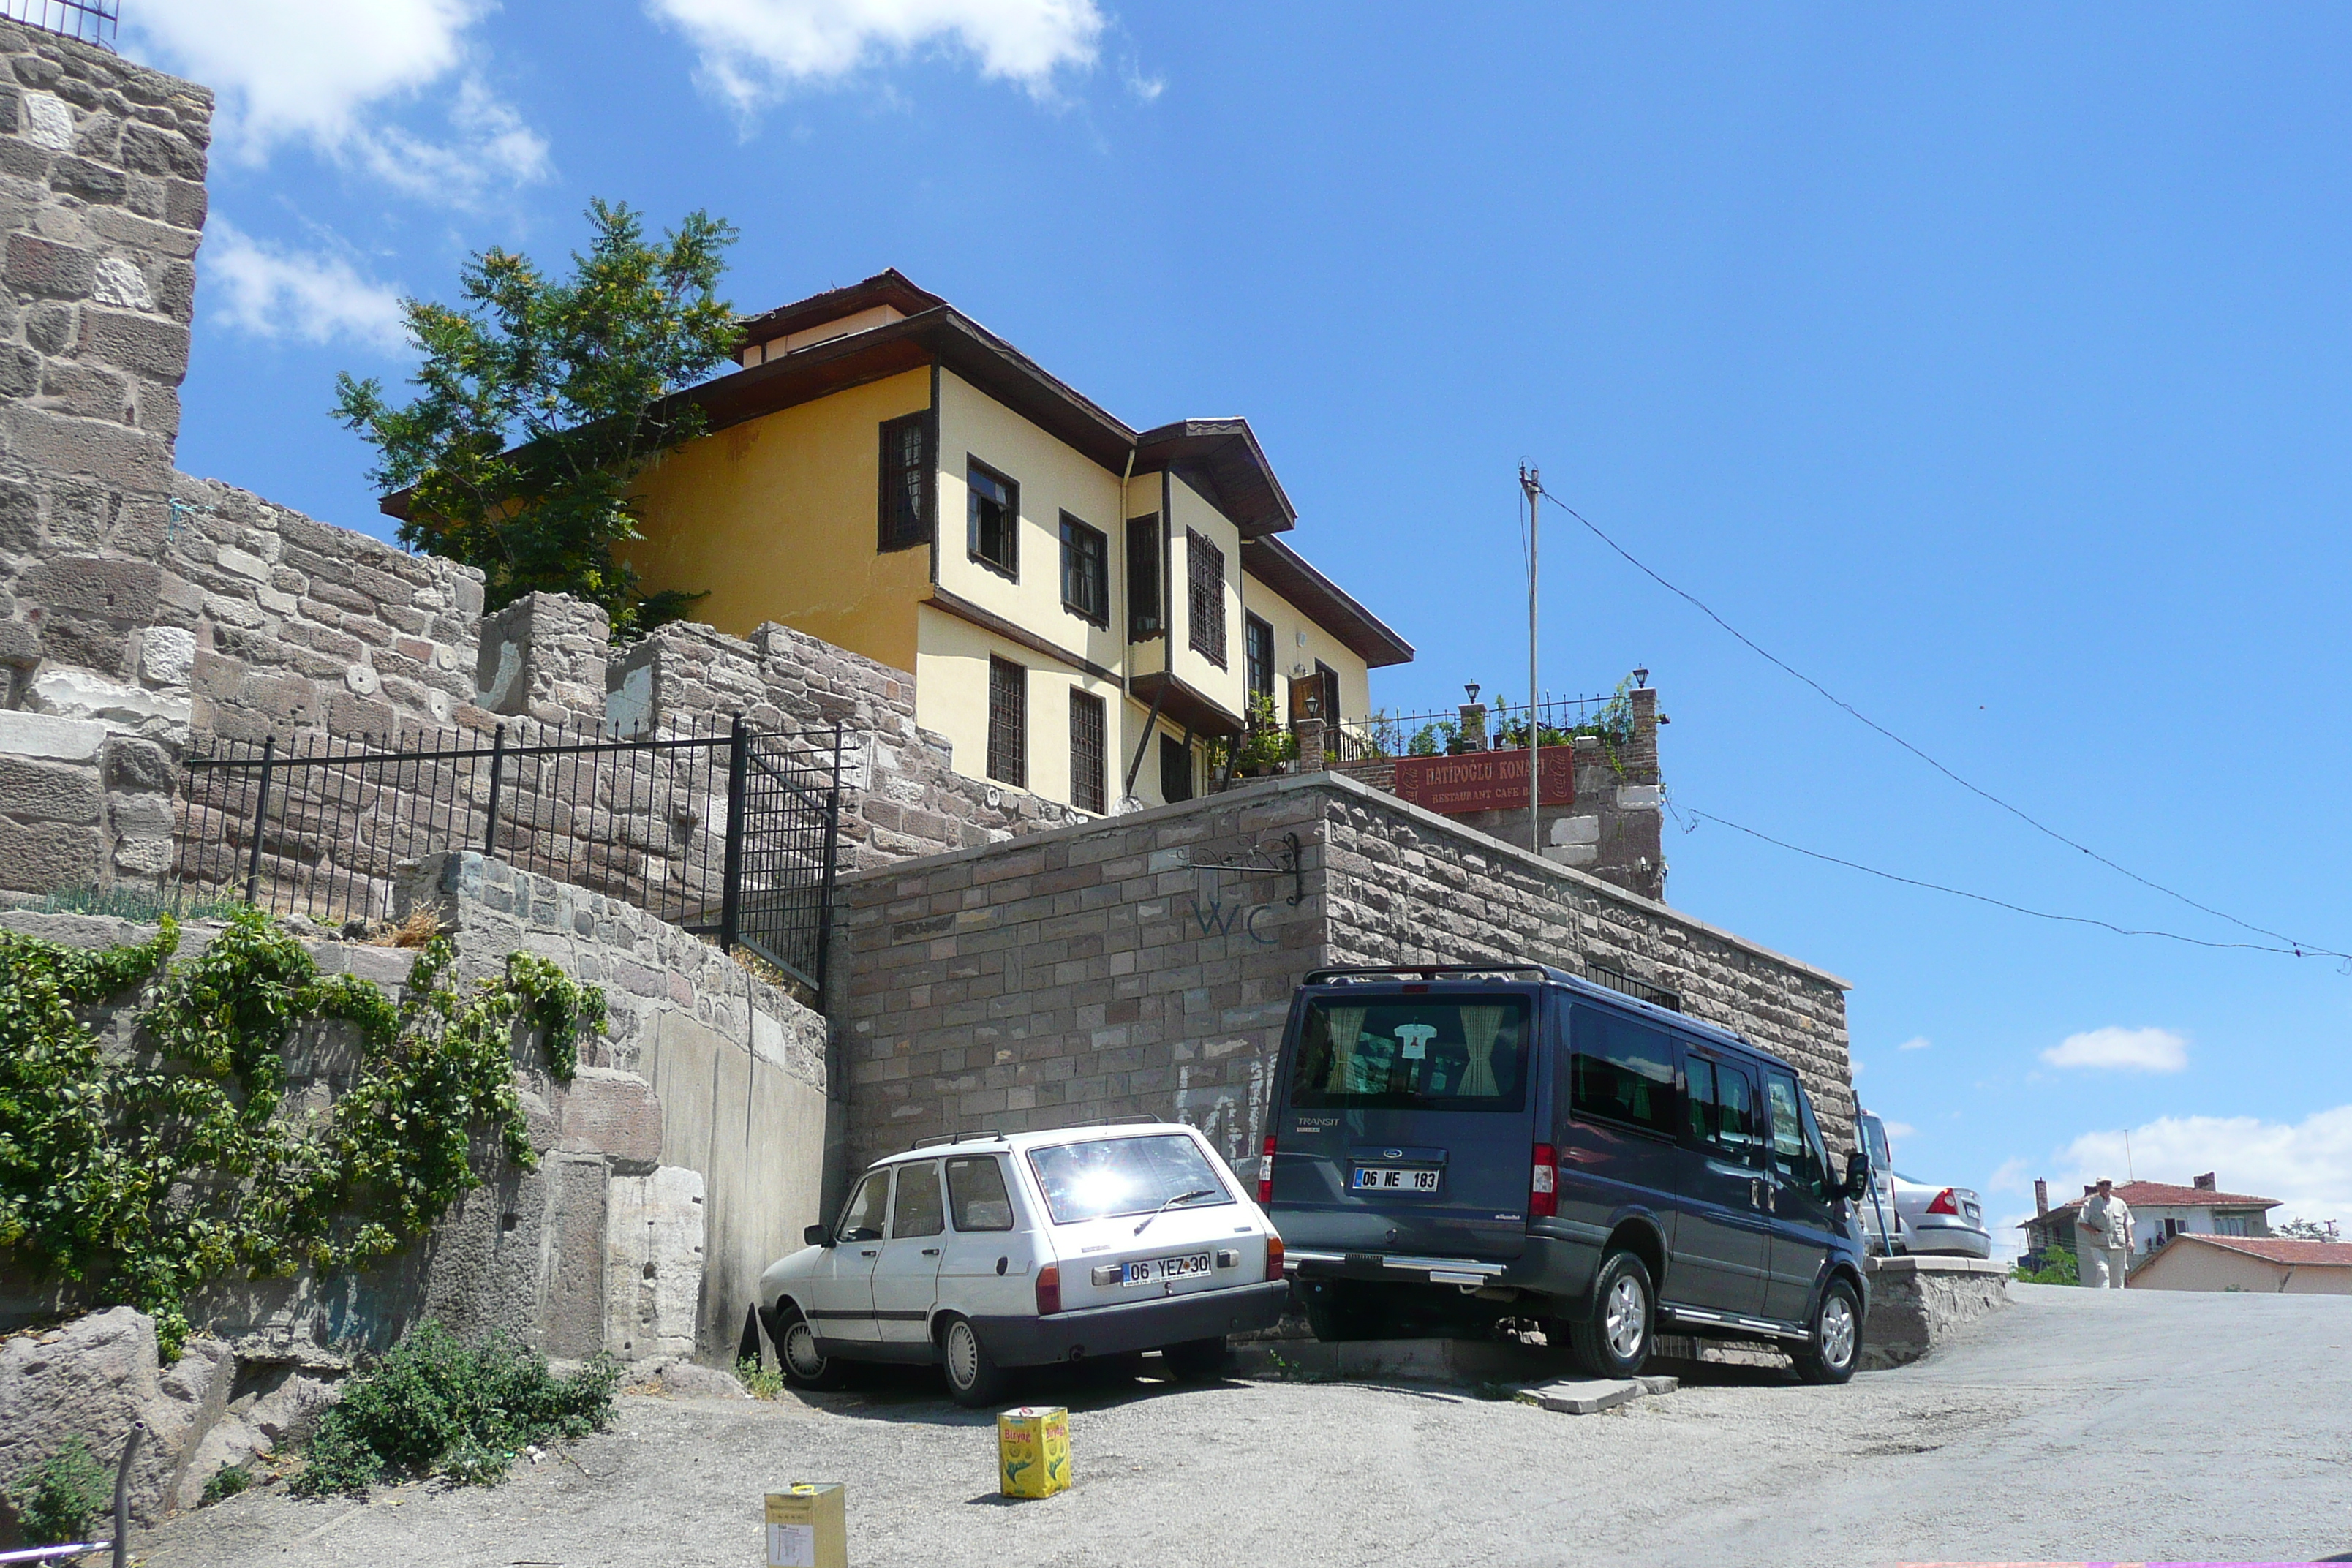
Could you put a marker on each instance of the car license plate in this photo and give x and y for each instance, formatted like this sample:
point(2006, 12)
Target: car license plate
point(1395, 1179)
point(1155, 1270)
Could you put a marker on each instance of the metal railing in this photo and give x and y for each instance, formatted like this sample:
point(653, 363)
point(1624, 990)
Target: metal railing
point(727, 831)
point(1383, 735)
point(90, 21)
point(1641, 990)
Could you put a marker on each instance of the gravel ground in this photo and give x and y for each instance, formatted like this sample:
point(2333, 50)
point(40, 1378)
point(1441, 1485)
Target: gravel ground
point(2073, 1425)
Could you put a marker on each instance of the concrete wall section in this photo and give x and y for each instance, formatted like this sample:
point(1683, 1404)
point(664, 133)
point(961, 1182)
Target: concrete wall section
point(1128, 968)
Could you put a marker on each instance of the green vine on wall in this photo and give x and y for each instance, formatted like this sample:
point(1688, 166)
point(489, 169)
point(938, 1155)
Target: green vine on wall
point(143, 1175)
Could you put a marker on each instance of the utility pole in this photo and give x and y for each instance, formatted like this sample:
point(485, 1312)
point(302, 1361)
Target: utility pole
point(1531, 482)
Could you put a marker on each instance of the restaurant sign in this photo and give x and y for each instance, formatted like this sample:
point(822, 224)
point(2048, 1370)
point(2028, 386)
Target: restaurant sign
point(1484, 781)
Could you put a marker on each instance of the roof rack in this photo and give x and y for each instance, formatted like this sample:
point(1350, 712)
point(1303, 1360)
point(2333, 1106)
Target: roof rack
point(1116, 1121)
point(1358, 973)
point(955, 1138)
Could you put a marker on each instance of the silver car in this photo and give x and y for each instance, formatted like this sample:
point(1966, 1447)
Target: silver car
point(1903, 1214)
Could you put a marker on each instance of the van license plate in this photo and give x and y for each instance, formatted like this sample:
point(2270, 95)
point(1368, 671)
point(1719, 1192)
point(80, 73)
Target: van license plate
point(1394, 1179)
point(1152, 1271)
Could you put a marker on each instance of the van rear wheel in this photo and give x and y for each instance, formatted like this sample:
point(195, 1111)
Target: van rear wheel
point(1337, 1310)
point(1611, 1338)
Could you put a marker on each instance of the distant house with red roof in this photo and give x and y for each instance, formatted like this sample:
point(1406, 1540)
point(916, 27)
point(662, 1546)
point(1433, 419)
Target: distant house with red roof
point(2263, 1265)
point(2161, 1212)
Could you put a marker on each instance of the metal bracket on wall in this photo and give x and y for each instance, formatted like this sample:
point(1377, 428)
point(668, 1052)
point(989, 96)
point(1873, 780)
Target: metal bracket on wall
point(1262, 862)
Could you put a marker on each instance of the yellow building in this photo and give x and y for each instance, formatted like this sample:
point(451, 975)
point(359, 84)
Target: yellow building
point(885, 474)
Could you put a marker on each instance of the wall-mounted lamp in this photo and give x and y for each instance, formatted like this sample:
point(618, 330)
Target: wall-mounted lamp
point(1472, 688)
point(1641, 675)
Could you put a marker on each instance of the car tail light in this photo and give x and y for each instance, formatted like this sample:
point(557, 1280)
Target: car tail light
point(1944, 1203)
point(1049, 1290)
point(1265, 1173)
point(1543, 1183)
point(1273, 1257)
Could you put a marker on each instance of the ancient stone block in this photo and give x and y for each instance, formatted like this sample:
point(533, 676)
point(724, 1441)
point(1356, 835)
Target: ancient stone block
point(615, 1114)
point(48, 791)
point(140, 343)
point(44, 268)
point(42, 857)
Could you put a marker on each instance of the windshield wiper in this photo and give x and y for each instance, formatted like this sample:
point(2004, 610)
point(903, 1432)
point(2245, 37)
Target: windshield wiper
point(1171, 1203)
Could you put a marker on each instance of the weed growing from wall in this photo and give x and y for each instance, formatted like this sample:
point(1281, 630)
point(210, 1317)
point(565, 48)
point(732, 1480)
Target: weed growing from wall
point(61, 1497)
point(141, 1175)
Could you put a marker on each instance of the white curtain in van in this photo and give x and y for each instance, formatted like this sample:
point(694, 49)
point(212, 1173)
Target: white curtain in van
point(1479, 1027)
point(1345, 1024)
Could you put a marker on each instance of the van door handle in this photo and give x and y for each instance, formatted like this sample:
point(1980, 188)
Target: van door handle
point(931, 1252)
point(1755, 1194)
point(869, 1252)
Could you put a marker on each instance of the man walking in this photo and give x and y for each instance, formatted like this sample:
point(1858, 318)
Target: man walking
point(2103, 1239)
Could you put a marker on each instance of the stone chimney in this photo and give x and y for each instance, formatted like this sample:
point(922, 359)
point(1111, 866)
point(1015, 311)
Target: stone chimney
point(2204, 1184)
point(2041, 1198)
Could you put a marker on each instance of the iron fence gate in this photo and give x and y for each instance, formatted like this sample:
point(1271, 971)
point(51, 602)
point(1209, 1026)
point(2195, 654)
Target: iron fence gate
point(727, 831)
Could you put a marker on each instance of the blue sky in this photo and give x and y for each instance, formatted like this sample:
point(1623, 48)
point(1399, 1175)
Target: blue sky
point(1991, 368)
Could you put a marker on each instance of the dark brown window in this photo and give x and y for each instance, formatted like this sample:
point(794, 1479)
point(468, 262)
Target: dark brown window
point(1143, 578)
point(1205, 565)
point(994, 518)
point(1175, 770)
point(906, 505)
point(1085, 570)
point(1330, 679)
point(1008, 722)
point(1257, 648)
point(1087, 790)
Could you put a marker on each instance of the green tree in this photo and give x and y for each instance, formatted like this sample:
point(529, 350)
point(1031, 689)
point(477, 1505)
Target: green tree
point(541, 402)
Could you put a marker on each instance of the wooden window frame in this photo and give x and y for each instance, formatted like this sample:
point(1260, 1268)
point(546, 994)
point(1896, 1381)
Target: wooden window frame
point(1089, 751)
point(1008, 721)
point(1145, 547)
point(1074, 531)
point(918, 529)
point(1252, 668)
point(1205, 597)
point(1010, 567)
point(1171, 749)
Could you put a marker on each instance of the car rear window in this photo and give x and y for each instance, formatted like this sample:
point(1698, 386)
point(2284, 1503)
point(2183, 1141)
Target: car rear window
point(1417, 1054)
point(1103, 1177)
point(976, 1194)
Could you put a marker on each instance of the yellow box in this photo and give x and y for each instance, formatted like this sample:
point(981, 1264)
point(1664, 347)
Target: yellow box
point(808, 1527)
point(1032, 1450)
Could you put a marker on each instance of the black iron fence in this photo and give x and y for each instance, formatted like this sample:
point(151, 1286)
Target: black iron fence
point(728, 831)
point(91, 21)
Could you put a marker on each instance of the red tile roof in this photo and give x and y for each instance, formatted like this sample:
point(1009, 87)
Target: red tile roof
point(2276, 1249)
point(2163, 1195)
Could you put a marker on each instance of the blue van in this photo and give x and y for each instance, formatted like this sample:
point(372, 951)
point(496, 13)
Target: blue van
point(1454, 1145)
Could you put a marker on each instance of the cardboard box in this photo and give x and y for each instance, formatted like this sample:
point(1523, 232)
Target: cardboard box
point(808, 1527)
point(1032, 1450)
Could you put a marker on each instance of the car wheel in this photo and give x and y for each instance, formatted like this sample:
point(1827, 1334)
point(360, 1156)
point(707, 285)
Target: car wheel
point(973, 1377)
point(1613, 1338)
point(1198, 1361)
point(805, 1366)
point(1830, 1356)
point(1337, 1311)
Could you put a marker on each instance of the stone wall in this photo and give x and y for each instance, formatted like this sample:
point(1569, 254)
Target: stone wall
point(685, 1155)
point(1144, 965)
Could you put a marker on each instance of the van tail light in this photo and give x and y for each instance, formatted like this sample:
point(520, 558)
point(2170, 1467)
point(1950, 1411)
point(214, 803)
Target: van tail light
point(1273, 1257)
point(1543, 1183)
point(1944, 1203)
point(1266, 1173)
point(1049, 1290)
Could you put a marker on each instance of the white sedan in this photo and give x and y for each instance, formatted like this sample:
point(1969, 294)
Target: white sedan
point(1002, 1251)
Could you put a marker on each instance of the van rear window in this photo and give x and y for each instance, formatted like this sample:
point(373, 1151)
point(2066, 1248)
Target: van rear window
point(1448, 1054)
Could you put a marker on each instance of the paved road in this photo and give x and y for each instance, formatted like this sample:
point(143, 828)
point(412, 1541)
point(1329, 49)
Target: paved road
point(2073, 1425)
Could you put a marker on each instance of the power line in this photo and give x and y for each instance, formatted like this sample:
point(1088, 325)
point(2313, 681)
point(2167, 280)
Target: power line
point(2297, 951)
point(2295, 946)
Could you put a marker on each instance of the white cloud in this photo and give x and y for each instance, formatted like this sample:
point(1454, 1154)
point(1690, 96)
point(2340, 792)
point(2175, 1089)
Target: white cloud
point(307, 296)
point(2012, 1176)
point(1898, 1129)
point(756, 49)
point(326, 75)
point(1916, 1043)
point(2123, 1050)
point(2308, 1166)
